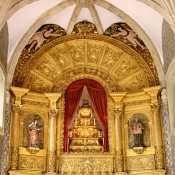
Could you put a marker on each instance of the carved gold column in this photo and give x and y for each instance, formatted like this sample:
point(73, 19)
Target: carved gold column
point(16, 109)
point(117, 97)
point(158, 143)
point(53, 97)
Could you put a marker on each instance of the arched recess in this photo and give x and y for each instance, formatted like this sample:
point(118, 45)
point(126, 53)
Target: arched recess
point(170, 83)
point(62, 6)
point(98, 97)
point(2, 95)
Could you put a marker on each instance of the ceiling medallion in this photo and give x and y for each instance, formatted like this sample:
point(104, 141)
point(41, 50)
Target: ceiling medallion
point(85, 3)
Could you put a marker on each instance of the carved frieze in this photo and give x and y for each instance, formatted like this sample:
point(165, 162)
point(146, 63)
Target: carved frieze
point(85, 72)
point(81, 165)
point(145, 162)
point(32, 163)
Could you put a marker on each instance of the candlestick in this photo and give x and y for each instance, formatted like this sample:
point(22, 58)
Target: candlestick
point(94, 121)
point(103, 141)
point(85, 121)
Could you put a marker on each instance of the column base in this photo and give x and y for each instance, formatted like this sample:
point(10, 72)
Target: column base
point(51, 173)
point(25, 172)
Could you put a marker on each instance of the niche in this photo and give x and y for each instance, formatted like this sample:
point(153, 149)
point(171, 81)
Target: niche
point(40, 125)
point(145, 136)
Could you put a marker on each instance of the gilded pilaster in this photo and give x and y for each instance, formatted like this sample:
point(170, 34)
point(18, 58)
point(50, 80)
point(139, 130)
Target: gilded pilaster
point(52, 141)
point(158, 143)
point(118, 131)
point(16, 109)
point(53, 112)
point(117, 97)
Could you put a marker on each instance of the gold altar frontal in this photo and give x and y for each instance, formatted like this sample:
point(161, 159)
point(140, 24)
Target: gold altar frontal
point(122, 157)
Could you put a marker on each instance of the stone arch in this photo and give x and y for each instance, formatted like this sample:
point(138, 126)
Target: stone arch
point(170, 82)
point(2, 95)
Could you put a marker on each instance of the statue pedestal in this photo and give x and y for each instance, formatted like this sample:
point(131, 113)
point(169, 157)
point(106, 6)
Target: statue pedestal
point(138, 150)
point(32, 150)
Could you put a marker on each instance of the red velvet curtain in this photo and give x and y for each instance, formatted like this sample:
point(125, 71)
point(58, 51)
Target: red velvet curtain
point(99, 101)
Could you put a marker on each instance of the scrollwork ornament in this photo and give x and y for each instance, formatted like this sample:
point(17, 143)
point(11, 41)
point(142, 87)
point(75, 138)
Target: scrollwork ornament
point(159, 157)
point(119, 161)
point(53, 113)
point(14, 158)
point(16, 108)
point(52, 161)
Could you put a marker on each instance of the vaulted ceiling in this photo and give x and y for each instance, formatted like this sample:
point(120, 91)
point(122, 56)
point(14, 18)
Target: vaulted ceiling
point(123, 64)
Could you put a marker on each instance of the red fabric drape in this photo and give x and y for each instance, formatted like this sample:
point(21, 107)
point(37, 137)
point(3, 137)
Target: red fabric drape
point(99, 101)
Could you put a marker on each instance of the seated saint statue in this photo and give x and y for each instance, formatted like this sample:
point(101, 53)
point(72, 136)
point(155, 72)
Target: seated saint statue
point(85, 110)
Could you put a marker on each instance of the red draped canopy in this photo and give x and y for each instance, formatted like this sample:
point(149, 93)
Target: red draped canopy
point(99, 100)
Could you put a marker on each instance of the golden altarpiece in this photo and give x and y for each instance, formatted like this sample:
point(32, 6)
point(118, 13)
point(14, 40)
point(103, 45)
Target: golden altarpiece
point(38, 108)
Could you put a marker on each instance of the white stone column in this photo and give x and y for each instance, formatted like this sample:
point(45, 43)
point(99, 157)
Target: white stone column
point(169, 152)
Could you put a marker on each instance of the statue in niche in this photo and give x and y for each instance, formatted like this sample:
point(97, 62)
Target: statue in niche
point(138, 131)
point(33, 130)
point(33, 134)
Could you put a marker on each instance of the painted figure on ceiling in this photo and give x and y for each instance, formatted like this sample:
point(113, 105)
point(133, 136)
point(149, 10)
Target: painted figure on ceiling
point(39, 38)
point(130, 35)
